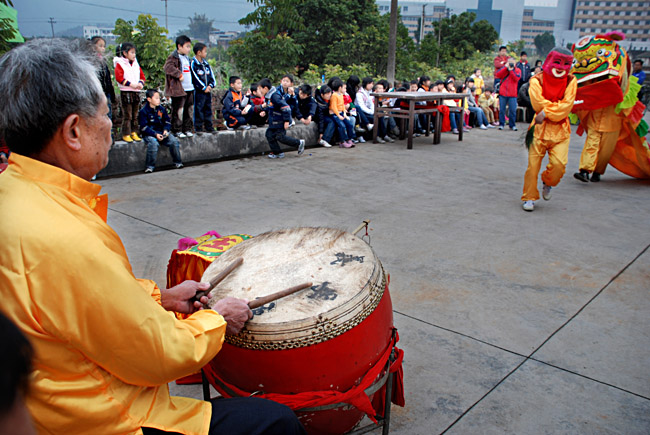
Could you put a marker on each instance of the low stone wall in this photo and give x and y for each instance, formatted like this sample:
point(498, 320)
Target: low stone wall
point(127, 158)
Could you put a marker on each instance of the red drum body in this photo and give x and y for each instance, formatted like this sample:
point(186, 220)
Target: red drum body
point(321, 339)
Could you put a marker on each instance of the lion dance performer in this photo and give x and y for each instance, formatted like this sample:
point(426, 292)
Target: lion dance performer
point(608, 109)
point(552, 94)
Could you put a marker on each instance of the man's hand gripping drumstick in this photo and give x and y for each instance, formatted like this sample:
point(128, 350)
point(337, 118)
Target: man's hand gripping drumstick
point(235, 311)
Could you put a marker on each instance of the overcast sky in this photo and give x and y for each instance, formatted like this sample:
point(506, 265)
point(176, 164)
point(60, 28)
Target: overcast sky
point(33, 15)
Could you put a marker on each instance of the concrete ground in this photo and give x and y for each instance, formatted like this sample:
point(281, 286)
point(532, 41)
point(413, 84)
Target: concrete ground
point(511, 322)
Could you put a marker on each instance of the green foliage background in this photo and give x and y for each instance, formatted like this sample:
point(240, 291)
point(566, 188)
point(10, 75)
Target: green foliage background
point(151, 45)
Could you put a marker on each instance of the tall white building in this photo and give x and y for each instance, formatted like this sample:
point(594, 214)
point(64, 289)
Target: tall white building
point(630, 17)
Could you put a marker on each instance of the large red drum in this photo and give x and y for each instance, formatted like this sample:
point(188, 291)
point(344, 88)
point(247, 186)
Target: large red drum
point(323, 338)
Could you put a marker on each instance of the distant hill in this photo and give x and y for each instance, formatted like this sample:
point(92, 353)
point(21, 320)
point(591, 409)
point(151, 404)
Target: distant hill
point(73, 32)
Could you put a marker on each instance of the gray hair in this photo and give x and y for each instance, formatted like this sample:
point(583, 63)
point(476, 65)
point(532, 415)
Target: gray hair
point(42, 82)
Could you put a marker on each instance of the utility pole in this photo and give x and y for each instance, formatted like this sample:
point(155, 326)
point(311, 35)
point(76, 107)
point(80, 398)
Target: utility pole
point(439, 31)
point(422, 25)
point(166, 22)
point(52, 22)
point(392, 43)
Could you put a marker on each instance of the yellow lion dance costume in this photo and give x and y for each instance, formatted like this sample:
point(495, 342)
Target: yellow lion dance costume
point(608, 109)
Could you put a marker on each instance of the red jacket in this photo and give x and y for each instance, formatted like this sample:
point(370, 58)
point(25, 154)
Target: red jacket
point(499, 62)
point(509, 81)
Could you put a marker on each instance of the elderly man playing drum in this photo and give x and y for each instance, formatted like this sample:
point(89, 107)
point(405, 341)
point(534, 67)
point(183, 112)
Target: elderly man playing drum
point(105, 346)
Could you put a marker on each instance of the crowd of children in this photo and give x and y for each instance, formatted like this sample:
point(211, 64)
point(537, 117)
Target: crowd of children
point(343, 110)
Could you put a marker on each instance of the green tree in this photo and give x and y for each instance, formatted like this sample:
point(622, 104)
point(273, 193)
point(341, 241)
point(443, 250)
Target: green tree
point(544, 43)
point(273, 17)
point(257, 55)
point(199, 28)
point(6, 33)
point(516, 46)
point(460, 37)
point(151, 43)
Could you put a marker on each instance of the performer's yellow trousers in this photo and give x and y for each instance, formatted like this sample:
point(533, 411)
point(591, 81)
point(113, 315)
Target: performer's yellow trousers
point(597, 151)
point(558, 156)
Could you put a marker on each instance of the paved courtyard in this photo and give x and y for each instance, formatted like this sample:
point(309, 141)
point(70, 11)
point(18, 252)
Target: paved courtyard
point(511, 322)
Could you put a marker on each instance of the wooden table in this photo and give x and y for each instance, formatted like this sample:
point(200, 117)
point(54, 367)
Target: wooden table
point(412, 98)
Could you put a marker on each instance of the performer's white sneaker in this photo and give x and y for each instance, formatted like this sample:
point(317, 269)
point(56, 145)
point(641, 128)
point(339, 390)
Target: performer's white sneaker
point(546, 192)
point(529, 205)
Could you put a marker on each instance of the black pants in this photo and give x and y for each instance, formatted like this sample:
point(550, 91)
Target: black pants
point(203, 111)
point(248, 416)
point(275, 135)
point(182, 112)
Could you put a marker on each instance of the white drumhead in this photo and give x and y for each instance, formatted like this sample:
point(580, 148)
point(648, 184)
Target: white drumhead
point(346, 275)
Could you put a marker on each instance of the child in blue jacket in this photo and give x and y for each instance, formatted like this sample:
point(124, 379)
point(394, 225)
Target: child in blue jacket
point(155, 126)
point(203, 80)
point(279, 120)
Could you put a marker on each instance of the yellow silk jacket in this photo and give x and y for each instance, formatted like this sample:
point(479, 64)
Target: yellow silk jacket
point(105, 348)
point(556, 126)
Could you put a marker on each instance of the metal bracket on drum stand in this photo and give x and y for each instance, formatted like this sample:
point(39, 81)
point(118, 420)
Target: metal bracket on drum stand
point(360, 227)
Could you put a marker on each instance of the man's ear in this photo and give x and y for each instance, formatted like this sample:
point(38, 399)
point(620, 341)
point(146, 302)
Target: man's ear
point(71, 132)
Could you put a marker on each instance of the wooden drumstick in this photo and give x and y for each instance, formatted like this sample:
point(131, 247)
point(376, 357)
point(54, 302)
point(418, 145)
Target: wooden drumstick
point(275, 296)
point(220, 277)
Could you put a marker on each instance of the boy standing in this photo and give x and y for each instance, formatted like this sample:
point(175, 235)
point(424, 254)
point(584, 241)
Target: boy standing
point(524, 67)
point(279, 119)
point(500, 62)
point(235, 108)
point(178, 86)
point(203, 81)
point(155, 126)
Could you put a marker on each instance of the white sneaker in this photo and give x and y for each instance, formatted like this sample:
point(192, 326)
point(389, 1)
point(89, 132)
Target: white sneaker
point(181, 135)
point(324, 143)
point(189, 134)
point(529, 205)
point(370, 127)
point(389, 139)
point(546, 192)
point(380, 140)
point(361, 139)
point(301, 147)
point(483, 127)
point(490, 126)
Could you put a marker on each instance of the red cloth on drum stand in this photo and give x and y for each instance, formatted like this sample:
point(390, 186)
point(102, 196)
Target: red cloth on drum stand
point(355, 396)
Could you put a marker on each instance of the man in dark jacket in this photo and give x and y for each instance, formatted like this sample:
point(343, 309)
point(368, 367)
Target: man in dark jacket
point(155, 127)
point(524, 67)
point(235, 107)
point(279, 119)
point(509, 76)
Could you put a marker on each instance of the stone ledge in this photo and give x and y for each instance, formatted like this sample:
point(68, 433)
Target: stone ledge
point(127, 158)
